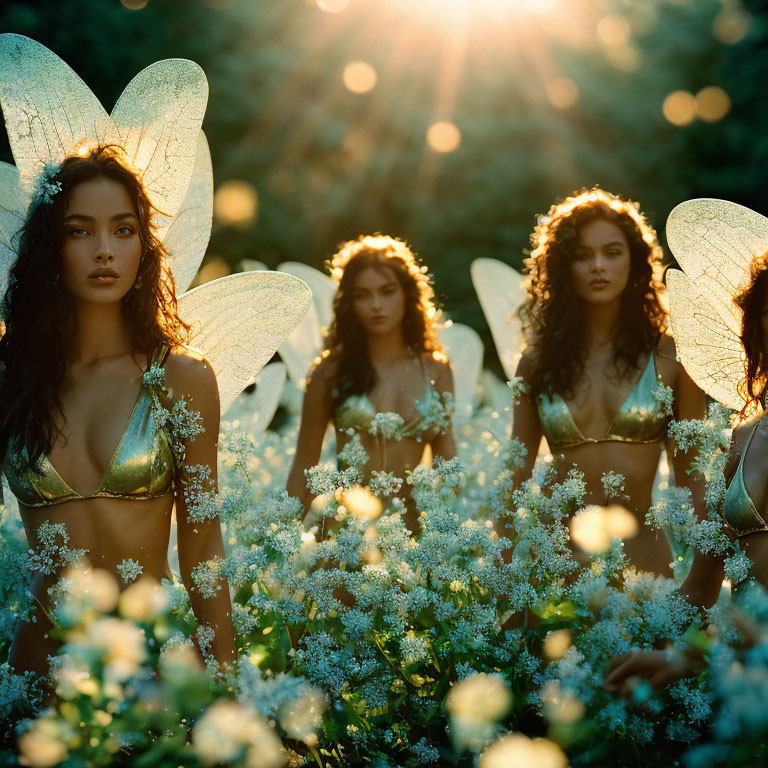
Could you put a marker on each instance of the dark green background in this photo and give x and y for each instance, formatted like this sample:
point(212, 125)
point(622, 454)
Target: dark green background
point(278, 116)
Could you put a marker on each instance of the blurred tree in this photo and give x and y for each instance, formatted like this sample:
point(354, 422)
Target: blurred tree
point(543, 105)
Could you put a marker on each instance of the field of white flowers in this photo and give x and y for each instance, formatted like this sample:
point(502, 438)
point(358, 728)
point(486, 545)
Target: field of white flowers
point(371, 648)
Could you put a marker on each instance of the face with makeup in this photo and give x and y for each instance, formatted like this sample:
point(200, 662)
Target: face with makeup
point(378, 300)
point(601, 262)
point(102, 247)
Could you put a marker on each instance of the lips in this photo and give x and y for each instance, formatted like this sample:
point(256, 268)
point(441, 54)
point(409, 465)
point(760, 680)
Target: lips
point(103, 276)
point(599, 282)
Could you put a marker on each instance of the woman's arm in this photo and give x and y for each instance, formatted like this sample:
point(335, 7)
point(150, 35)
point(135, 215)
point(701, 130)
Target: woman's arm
point(526, 427)
point(444, 444)
point(315, 415)
point(191, 377)
point(702, 585)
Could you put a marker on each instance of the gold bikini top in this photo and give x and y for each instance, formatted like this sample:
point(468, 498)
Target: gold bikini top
point(739, 510)
point(434, 413)
point(141, 467)
point(641, 419)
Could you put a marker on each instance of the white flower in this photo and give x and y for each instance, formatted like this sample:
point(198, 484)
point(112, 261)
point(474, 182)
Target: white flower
point(594, 527)
point(144, 600)
point(42, 746)
point(475, 705)
point(228, 730)
point(302, 717)
point(518, 750)
point(121, 644)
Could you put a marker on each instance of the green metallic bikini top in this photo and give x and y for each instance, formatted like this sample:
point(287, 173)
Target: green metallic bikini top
point(739, 510)
point(358, 413)
point(141, 467)
point(641, 418)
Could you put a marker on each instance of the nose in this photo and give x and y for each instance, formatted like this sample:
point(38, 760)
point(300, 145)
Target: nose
point(376, 301)
point(598, 263)
point(104, 253)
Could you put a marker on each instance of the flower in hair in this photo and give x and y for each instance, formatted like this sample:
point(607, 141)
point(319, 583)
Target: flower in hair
point(46, 186)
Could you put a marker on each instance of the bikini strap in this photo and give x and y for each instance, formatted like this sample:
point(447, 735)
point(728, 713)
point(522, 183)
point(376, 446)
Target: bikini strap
point(749, 439)
point(159, 356)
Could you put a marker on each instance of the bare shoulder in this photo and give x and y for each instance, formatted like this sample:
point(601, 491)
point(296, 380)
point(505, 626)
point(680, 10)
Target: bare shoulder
point(666, 360)
point(438, 366)
point(527, 363)
point(189, 373)
point(323, 369)
point(741, 434)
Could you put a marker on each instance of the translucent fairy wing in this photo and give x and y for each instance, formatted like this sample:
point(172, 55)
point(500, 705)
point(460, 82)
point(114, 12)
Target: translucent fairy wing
point(465, 353)
point(323, 288)
point(302, 347)
point(14, 200)
point(157, 121)
point(239, 321)
point(49, 111)
point(187, 236)
point(501, 292)
point(708, 347)
point(714, 242)
point(254, 412)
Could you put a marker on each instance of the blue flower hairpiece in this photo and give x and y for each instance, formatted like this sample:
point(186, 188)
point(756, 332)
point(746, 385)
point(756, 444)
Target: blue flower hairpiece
point(46, 186)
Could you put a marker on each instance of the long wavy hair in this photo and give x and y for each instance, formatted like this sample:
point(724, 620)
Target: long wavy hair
point(36, 348)
point(346, 342)
point(553, 317)
point(751, 302)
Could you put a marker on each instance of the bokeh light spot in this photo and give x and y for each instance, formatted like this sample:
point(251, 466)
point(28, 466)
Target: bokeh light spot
point(679, 108)
point(443, 136)
point(359, 77)
point(332, 6)
point(235, 203)
point(134, 5)
point(213, 269)
point(712, 104)
point(562, 93)
point(613, 29)
point(731, 25)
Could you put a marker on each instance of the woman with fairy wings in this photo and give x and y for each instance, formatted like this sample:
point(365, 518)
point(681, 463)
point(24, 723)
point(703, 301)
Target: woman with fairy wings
point(383, 376)
point(719, 311)
point(600, 377)
point(108, 417)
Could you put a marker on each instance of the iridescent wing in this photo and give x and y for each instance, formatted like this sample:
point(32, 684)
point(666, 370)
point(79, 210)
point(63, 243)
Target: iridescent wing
point(501, 291)
point(714, 242)
point(465, 353)
point(239, 321)
point(49, 111)
point(707, 345)
point(307, 341)
point(252, 413)
point(187, 237)
point(323, 288)
point(157, 121)
point(14, 201)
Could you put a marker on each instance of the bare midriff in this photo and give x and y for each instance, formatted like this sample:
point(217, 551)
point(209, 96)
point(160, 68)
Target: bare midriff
point(395, 456)
point(638, 463)
point(110, 530)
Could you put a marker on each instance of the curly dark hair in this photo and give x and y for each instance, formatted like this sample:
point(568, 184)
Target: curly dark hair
point(36, 347)
point(751, 302)
point(346, 342)
point(552, 315)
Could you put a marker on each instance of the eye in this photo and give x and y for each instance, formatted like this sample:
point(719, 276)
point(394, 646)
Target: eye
point(125, 230)
point(77, 231)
